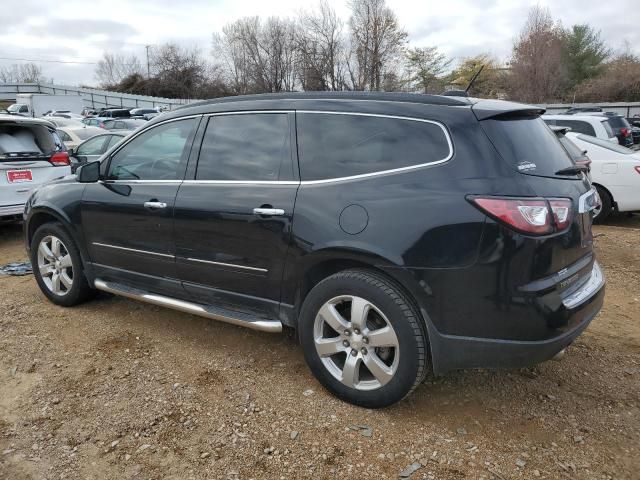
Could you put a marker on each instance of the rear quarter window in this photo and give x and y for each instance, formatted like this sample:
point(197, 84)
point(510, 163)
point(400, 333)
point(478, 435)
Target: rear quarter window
point(346, 145)
point(528, 144)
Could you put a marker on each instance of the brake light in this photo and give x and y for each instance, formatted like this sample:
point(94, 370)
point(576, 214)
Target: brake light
point(60, 159)
point(625, 132)
point(637, 169)
point(535, 216)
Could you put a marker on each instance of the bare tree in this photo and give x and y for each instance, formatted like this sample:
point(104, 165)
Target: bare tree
point(21, 73)
point(256, 56)
point(377, 41)
point(538, 72)
point(114, 67)
point(177, 71)
point(321, 49)
point(618, 82)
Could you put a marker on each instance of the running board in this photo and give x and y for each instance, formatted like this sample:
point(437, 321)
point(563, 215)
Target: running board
point(272, 326)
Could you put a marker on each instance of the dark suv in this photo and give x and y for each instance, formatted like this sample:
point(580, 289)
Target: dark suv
point(397, 233)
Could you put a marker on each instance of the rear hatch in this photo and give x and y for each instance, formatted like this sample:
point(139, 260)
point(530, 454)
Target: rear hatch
point(531, 149)
point(30, 155)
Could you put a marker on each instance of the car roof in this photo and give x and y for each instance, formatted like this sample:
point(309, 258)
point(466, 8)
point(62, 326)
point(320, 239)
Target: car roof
point(25, 120)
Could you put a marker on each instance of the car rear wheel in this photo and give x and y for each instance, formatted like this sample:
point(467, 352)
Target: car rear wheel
point(362, 339)
point(601, 213)
point(57, 266)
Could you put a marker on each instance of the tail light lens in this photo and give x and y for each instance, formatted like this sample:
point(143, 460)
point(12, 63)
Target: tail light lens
point(60, 159)
point(534, 216)
point(561, 209)
point(637, 168)
point(625, 132)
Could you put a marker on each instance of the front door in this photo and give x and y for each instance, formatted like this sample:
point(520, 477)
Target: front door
point(127, 218)
point(233, 217)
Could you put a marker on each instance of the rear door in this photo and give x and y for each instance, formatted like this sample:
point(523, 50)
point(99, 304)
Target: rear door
point(233, 217)
point(127, 218)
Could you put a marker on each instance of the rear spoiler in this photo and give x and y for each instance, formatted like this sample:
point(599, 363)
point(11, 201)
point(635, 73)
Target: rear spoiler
point(485, 109)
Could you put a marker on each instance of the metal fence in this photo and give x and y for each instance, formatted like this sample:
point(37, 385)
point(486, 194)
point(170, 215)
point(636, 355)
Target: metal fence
point(627, 109)
point(93, 98)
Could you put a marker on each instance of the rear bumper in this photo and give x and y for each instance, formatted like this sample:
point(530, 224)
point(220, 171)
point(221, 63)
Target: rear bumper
point(451, 352)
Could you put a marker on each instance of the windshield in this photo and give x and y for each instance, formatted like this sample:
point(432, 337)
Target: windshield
point(605, 144)
point(528, 144)
point(15, 107)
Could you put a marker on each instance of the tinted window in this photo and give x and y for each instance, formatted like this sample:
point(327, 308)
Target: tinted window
point(334, 146)
point(92, 147)
point(618, 122)
point(577, 126)
point(528, 144)
point(157, 154)
point(246, 147)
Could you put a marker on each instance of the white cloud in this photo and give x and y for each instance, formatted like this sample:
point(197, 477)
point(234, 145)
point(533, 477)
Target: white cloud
point(76, 30)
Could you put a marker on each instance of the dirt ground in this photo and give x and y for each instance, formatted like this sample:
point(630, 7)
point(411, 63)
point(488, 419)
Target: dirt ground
point(118, 389)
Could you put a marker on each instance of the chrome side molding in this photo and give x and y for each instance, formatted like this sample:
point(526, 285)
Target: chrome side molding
point(272, 326)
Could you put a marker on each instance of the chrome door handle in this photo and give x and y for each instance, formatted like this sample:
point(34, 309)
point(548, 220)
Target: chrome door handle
point(268, 211)
point(155, 205)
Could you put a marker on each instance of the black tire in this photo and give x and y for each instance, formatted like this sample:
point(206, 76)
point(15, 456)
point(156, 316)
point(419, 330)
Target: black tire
point(607, 205)
point(80, 290)
point(400, 314)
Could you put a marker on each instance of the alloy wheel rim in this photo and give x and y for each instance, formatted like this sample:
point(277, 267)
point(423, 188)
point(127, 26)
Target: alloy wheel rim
point(356, 342)
point(55, 265)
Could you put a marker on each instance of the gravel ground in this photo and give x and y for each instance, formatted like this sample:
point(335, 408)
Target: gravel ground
point(118, 389)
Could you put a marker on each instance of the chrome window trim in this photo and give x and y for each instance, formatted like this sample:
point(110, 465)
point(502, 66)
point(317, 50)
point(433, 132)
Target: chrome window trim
point(135, 250)
point(383, 172)
point(303, 182)
point(148, 182)
point(233, 265)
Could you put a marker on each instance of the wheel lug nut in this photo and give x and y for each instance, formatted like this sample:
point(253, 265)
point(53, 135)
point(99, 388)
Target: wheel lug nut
point(356, 331)
point(365, 340)
point(354, 352)
point(363, 351)
point(345, 343)
point(347, 332)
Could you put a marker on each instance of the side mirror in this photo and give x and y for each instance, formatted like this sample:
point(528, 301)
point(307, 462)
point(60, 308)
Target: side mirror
point(89, 172)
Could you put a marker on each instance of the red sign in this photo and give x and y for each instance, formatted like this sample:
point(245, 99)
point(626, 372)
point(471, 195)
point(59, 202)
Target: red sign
point(19, 176)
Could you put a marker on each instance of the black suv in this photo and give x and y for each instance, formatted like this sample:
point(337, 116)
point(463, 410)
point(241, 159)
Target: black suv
point(397, 233)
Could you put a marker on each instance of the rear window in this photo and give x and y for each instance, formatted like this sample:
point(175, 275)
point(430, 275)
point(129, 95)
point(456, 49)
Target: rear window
point(618, 122)
point(615, 147)
point(345, 145)
point(528, 144)
point(19, 141)
point(577, 126)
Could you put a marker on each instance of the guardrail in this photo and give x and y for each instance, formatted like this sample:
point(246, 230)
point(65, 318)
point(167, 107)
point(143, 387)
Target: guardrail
point(93, 98)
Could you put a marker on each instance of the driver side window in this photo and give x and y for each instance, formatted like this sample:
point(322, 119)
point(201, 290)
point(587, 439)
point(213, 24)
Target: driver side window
point(160, 153)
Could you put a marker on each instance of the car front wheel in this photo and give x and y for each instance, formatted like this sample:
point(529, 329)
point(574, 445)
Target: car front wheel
point(57, 266)
point(362, 339)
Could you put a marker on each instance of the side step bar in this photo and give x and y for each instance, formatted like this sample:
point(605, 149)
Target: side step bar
point(272, 326)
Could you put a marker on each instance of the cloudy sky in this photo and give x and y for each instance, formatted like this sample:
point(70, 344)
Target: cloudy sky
point(79, 30)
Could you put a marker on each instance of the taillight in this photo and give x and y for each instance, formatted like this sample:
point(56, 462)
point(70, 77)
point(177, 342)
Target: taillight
point(625, 132)
point(561, 209)
point(637, 168)
point(59, 159)
point(535, 216)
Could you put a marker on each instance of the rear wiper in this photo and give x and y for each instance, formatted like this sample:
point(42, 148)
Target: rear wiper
point(572, 170)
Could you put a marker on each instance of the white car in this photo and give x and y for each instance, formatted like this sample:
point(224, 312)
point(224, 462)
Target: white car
point(74, 136)
point(596, 126)
point(615, 172)
point(31, 153)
